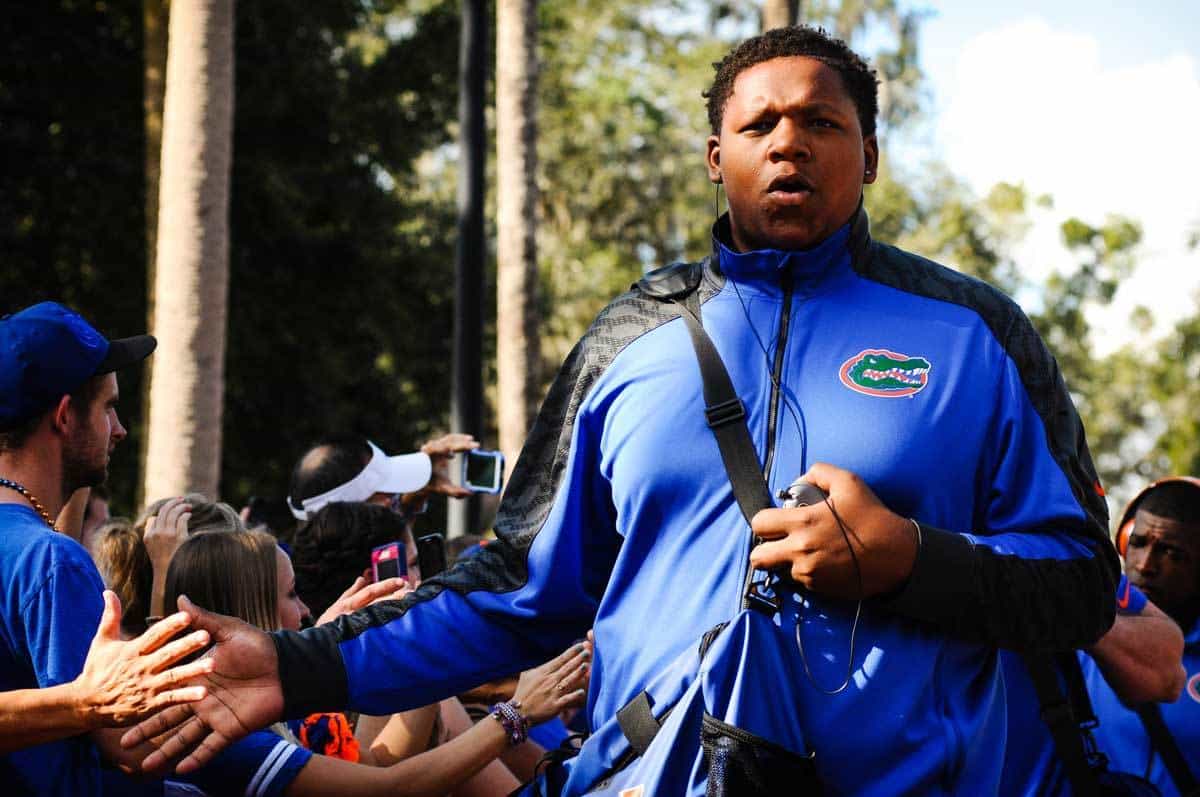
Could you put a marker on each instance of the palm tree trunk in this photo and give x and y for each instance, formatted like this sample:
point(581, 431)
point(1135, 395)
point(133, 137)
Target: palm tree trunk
point(154, 76)
point(780, 14)
point(191, 283)
point(517, 349)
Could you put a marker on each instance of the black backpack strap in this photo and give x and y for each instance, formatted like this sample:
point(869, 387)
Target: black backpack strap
point(638, 722)
point(1060, 718)
point(726, 417)
point(1168, 750)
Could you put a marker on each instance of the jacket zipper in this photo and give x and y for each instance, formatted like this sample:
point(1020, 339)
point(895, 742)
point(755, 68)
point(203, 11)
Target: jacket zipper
point(773, 410)
point(777, 373)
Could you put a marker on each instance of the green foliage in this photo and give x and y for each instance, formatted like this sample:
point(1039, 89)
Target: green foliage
point(341, 287)
point(72, 197)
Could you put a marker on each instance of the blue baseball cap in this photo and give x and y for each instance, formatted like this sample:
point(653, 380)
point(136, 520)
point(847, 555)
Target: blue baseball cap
point(48, 351)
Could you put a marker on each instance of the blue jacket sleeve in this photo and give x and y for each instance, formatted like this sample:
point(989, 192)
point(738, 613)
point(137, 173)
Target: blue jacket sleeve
point(521, 601)
point(1038, 571)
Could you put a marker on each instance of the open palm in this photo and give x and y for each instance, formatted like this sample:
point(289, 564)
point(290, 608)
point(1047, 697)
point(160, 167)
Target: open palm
point(244, 695)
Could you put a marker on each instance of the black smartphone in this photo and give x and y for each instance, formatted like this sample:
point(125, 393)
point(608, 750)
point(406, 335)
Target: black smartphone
point(431, 555)
point(483, 471)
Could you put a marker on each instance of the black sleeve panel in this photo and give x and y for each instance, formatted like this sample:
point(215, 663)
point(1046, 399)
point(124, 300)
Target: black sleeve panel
point(973, 591)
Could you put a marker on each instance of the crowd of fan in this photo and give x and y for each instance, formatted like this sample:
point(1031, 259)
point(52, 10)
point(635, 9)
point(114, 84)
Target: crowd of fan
point(348, 498)
point(307, 573)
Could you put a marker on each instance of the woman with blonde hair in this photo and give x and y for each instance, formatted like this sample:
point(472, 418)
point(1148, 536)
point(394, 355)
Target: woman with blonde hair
point(133, 557)
point(245, 574)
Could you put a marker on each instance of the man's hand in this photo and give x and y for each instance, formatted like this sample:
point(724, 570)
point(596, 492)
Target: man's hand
point(244, 695)
point(123, 682)
point(362, 593)
point(808, 543)
point(441, 450)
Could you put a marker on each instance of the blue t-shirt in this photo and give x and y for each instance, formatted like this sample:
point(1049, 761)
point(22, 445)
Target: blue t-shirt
point(50, 605)
point(1121, 735)
point(261, 765)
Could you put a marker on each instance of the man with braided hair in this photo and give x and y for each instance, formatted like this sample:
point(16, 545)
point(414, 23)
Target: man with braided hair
point(963, 510)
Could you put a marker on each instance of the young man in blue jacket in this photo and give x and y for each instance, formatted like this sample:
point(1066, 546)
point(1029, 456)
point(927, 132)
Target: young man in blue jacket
point(922, 401)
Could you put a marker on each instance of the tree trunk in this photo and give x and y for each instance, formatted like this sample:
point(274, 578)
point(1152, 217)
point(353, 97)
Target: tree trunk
point(517, 349)
point(780, 14)
point(466, 401)
point(191, 283)
point(154, 74)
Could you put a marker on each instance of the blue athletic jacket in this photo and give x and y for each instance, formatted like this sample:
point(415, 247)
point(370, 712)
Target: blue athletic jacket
point(619, 516)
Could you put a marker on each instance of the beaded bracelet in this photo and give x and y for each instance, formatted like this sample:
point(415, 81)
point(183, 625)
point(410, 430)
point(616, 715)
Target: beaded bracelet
point(515, 724)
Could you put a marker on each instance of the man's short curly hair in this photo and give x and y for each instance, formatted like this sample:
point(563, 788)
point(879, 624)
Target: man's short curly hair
point(859, 79)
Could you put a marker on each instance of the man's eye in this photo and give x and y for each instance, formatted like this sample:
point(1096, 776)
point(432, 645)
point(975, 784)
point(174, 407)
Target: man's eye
point(760, 126)
point(823, 122)
point(1137, 542)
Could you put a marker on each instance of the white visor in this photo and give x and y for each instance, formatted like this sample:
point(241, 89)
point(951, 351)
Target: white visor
point(404, 473)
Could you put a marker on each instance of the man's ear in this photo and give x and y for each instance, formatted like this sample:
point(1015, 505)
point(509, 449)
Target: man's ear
point(63, 417)
point(712, 159)
point(870, 159)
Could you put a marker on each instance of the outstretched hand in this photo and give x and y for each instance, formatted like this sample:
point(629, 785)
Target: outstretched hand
point(808, 541)
point(363, 593)
point(559, 684)
point(243, 695)
point(124, 681)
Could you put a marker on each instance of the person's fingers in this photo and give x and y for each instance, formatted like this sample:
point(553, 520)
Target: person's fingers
point(171, 511)
point(455, 491)
point(380, 589)
point(358, 584)
point(161, 632)
point(823, 475)
point(181, 523)
point(184, 739)
point(212, 744)
point(169, 654)
point(771, 555)
point(773, 524)
point(217, 625)
point(172, 697)
point(175, 676)
point(160, 723)
point(110, 620)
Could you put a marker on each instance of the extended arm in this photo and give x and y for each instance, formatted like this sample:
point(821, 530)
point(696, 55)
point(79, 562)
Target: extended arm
point(1141, 656)
point(121, 683)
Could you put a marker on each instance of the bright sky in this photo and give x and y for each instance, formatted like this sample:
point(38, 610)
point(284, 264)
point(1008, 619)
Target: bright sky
point(1096, 104)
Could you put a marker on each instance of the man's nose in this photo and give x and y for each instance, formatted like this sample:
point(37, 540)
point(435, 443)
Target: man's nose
point(118, 430)
point(789, 141)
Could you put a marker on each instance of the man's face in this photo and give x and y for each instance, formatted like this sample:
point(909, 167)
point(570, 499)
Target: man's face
point(1163, 560)
point(95, 434)
point(791, 154)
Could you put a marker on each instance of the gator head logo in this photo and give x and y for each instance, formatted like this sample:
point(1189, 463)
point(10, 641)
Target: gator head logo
point(879, 372)
point(1193, 687)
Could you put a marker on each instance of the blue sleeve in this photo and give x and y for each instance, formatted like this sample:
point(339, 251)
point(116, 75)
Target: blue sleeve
point(1130, 599)
point(60, 615)
point(261, 765)
point(519, 602)
point(1038, 571)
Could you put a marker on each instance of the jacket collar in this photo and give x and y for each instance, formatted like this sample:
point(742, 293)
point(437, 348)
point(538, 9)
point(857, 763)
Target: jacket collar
point(810, 269)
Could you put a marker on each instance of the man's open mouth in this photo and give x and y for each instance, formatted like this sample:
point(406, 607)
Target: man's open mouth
point(790, 184)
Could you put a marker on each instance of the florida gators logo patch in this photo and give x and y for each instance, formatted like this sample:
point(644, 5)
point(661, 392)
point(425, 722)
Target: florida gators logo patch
point(879, 372)
point(1193, 687)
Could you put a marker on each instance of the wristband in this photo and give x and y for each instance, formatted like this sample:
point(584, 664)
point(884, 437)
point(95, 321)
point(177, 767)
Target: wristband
point(515, 724)
point(1130, 599)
